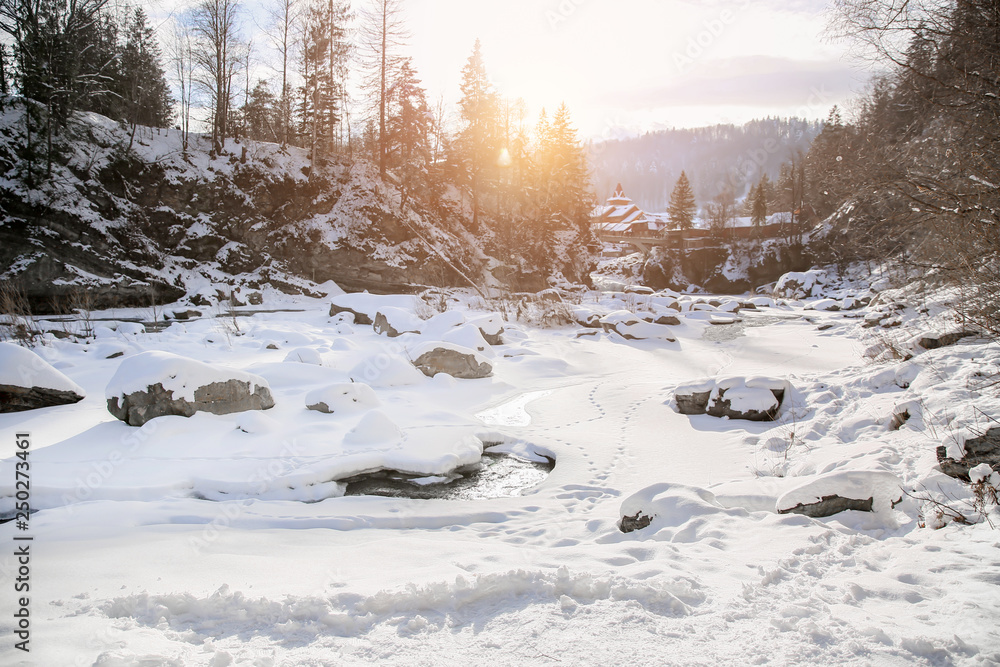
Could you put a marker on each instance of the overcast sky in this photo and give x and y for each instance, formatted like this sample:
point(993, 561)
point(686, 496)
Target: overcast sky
point(626, 66)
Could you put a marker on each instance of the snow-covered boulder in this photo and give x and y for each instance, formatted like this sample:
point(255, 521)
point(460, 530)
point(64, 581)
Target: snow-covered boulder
point(364, 307)
point(586, 317)
point(386, 370)
point(692, 397)
point(470, 336)
point(751, 399)
point(828, 305)
point(343, 398)
point(442, 323)
point(155, 384)
point(975, 452)
point(835, 492)
point(656, 314)
point(800, 285)
point(667, 505)
point(28, 382)
point(374, 428)
point(630, 326)
point(491, 328)
point(304, 355)
point(667, 302)
point(451, 359)
point(394, 322)
point(935, 340)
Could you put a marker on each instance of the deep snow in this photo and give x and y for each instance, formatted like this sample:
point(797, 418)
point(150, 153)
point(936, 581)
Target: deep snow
point(221, 540)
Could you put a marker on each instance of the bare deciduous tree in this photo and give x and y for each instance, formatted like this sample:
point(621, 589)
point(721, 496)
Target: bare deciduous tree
point(217, 53)
point(383, 33)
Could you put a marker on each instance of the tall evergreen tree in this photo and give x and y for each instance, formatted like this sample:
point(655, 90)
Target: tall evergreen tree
point(682, 204)
point(477, 138)
point(323, 55)
point(143, 87)
point(758, 210)
point(52, 41)
point(408, 129)
point(262, 114)
point(568, 183)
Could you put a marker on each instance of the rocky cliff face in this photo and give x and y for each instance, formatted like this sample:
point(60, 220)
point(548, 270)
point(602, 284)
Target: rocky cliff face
point(728, 268)
point(120, 224)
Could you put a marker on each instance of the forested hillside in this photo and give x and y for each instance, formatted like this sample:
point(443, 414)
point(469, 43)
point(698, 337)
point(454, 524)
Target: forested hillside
point(480, 199)
point(715, 159)
point(915, 175)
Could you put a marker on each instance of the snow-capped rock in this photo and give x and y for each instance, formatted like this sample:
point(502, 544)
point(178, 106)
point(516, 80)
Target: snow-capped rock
point(343, 398)
point(28, 382)
point(155, 384)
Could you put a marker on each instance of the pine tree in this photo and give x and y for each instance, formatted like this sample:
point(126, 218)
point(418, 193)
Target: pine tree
point(324, 52)
point(408, 129)
point(682, 204)
point(568, 181)
point(477, 138)
point(826, 166)
point(758, 212)
point(142, 87)
point(52, 44)
point(262, 114)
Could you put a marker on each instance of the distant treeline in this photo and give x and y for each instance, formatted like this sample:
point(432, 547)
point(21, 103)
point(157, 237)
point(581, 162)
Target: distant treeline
point(715, 159)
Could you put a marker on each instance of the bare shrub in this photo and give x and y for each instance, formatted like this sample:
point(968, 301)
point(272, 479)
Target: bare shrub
point(17, 325)
point(82, 304)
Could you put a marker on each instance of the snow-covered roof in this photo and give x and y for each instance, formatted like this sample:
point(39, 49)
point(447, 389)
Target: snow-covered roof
point(619, 198)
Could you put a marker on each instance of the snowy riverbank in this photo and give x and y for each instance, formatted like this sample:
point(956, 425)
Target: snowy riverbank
point(226, 539)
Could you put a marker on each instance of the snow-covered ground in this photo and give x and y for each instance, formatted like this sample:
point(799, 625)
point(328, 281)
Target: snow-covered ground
point(226, 540)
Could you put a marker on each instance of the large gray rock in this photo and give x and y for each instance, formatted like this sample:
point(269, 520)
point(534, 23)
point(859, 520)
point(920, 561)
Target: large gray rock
point(28, 382)
point(219, 398)
point(157, 384)
point(984, 449)
point(454, 360)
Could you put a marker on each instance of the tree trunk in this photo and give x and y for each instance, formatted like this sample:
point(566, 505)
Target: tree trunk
point(381, 114)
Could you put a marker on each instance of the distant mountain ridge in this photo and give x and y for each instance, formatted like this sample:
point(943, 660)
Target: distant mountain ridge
point(648, 166)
